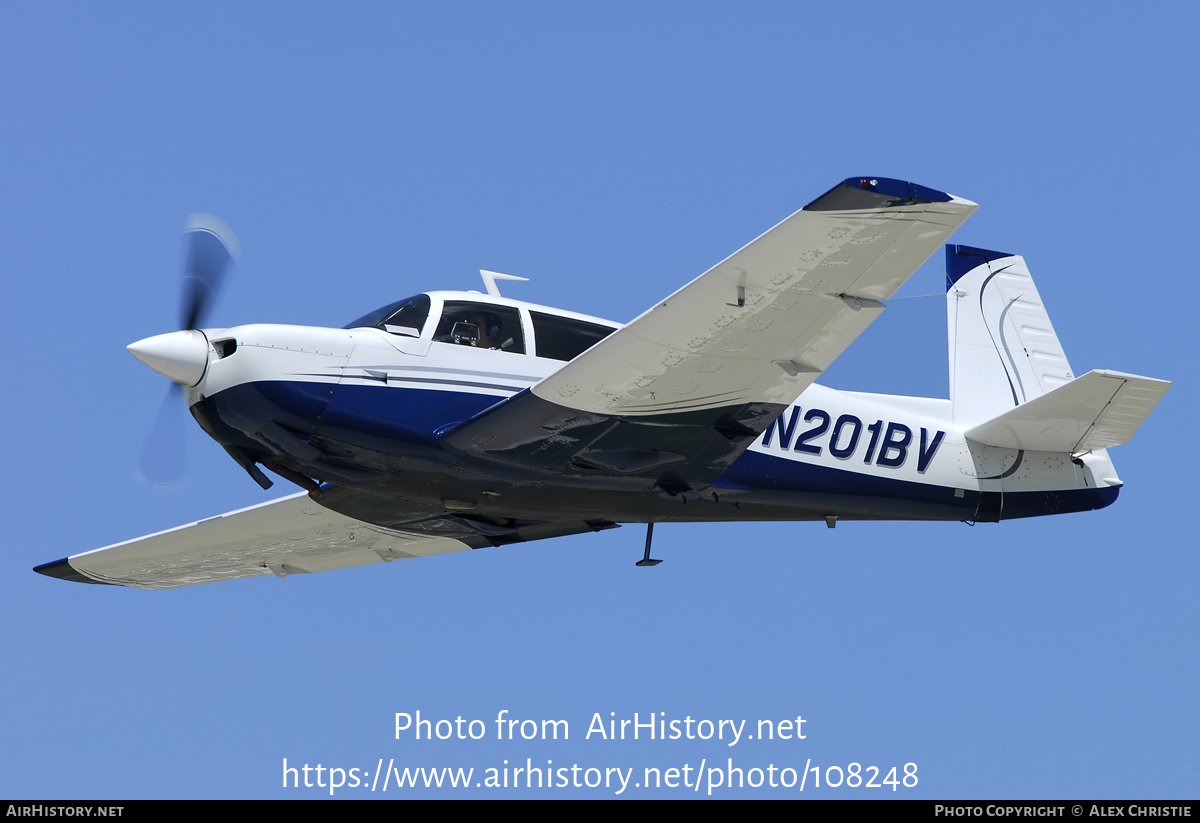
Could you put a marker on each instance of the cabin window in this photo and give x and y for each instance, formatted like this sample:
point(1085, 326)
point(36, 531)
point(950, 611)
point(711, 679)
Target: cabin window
point(481, 326)
point(404, 317)
point(564, 338)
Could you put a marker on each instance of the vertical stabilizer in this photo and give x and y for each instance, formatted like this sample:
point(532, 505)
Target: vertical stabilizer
point(1003, 348)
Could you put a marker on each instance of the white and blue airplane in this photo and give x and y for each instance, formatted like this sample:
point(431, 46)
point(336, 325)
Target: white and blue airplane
point(460, 420)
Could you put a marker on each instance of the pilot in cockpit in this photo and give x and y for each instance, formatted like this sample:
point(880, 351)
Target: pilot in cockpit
point(479, 329)
point(496, 328)
point(489, 330)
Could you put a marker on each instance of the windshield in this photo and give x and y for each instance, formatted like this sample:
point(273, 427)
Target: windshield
point(405, 316)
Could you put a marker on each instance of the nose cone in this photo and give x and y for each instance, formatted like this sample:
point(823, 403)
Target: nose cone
point(181, 356)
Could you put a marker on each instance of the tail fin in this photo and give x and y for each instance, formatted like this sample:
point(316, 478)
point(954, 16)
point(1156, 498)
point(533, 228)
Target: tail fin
point(1003, 348)
point(1010, 383)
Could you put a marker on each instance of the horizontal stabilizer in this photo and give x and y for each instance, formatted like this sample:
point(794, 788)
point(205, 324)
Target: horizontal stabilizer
point(1095, 411)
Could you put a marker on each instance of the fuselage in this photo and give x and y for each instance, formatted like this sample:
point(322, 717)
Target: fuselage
point(366, 406)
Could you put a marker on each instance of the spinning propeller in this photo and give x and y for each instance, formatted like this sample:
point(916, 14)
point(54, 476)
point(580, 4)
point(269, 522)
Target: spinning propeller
point(182, 356)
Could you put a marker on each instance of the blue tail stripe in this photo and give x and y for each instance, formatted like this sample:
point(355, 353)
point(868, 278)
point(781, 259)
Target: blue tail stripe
point(961, 259)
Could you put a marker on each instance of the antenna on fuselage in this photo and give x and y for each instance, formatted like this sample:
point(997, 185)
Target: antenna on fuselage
point(490, 278)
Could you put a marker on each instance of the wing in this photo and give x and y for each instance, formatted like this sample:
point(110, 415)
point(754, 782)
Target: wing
point(677, 394)
point(292, 535)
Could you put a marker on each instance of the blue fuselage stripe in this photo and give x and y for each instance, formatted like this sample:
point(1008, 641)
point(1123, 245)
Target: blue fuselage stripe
point(390, 414)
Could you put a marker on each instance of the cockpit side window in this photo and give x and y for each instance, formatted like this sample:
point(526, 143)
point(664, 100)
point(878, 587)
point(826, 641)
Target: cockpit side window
point(404, 317)
point(482, 326)
point(565, 338)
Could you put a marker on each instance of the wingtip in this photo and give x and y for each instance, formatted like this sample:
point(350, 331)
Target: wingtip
point(856, 193)
point(63, 570)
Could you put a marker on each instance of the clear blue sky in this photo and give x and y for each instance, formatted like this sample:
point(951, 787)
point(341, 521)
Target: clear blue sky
point(609, 152)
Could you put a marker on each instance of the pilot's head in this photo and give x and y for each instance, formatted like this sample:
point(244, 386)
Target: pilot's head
point(489, 329)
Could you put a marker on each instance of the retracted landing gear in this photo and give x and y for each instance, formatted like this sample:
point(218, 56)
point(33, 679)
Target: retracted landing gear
point(646, 561)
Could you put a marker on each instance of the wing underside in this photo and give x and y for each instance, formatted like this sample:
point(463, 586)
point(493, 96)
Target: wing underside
point(677, 394)
point(292, 535)
point(762, 324)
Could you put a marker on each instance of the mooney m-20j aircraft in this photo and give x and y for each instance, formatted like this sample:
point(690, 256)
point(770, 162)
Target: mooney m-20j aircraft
point(460, 420)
